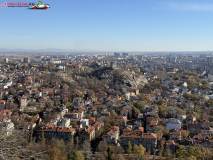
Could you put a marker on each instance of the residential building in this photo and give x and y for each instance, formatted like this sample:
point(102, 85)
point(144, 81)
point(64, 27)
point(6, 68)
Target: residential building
point(148, 140)
point(173, 123)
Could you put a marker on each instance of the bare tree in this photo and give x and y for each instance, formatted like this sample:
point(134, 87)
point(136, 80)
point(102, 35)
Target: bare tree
point(172, 111)
point(99, 156)
point(86, 147)
point(16, 145)
point(102, 146)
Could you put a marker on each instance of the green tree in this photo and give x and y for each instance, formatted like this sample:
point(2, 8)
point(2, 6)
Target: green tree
point(186, 95)
point(139, 150)
point(163, 111)
point(42, 139)
point(176, 77)
point(49, 105)
point(180, 111)
point(191, 158)
point(161, 131)
point(135, 149)
point(196, 152)
point(194, 97)
point(205, 83)
point(141, 106)
point(54, 153)
point(159, 134)
point(199, 80)
point(191, 82)
point(110, 152)
point(133, 113)
point(71, 141)
point(129, 102)
point(77, 155)
point(185, 134)
point(129, 148)
point(129, 116)
point(181, 152)
point(55, 104)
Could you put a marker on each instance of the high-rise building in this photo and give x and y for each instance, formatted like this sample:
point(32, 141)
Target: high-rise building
point(140, 58)
point(117, 54)
point(27, 60)
point(125, 54)
point(6, 60)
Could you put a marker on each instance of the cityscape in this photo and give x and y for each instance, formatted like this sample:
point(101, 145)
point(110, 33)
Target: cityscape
point(106, 105)
point(106, 80)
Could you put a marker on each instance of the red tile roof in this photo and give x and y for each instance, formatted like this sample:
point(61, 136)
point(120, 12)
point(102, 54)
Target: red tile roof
point(149, 135)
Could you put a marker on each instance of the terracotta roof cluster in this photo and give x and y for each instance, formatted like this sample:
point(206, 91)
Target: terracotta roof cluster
point(89, 130)
point(170, 142)
point(66, 129)
point(203, 121)
point(112, 131)
point(202, 138)
point(2, 102)
point(77, 98)
point(53, 128)
point(131, 135)
point(97, 124)
point(175, 132)
point(81, 109)
point(149, 135)
point(121, 118)
point(127, 129)
point(6, 112)
point(139, 129)
point(152, 123)
point(94, 109)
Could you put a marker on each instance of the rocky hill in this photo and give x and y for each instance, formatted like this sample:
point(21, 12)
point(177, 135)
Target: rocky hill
point(124, 77)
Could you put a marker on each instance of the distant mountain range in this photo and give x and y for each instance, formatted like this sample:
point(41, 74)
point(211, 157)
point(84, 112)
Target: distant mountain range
point(46, 50)
point(75, 50)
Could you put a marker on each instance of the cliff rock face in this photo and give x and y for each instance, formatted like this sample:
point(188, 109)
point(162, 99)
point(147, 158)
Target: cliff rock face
point(133, 79)
point(127, 78)
point(65, 76)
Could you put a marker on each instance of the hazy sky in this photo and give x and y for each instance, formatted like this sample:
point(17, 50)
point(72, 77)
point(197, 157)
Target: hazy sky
point(110, 25)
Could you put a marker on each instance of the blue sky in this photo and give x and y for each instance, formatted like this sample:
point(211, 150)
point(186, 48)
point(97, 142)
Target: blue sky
point(110, 25)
